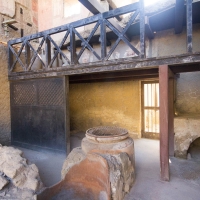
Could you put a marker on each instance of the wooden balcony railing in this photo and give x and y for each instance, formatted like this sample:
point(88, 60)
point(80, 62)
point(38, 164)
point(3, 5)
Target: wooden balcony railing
point(24, 53)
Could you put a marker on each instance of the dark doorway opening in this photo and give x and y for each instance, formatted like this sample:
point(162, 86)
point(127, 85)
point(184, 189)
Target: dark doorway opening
point(194, 149)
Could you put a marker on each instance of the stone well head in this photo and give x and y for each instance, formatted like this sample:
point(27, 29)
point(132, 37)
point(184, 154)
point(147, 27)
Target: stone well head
point(103, 168)
point(108, 140)
point(106, 134)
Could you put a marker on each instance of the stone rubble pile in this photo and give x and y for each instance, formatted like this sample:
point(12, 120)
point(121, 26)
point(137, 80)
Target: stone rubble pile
point(17, 175)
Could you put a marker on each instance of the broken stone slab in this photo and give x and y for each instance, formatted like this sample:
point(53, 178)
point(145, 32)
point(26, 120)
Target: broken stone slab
point(27, 178)
point(3, 182)
point(15, 167)
point(11, 161)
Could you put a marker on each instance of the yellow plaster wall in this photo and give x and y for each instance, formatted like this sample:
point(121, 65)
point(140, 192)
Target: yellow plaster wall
point(4, 98)
point(5, 121)
point(114, 103)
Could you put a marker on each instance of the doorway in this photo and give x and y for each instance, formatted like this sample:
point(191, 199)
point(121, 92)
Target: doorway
point(150, 110)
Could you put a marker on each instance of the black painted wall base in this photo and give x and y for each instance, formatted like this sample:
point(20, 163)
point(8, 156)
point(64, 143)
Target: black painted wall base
point(38, 114)
point(36, 148)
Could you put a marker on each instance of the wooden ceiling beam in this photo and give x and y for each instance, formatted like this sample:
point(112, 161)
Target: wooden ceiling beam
point(148, 31)
point(94, 7)
point(179, 16)
point(113, 75)
point(112, 6)
point(185, 68)
point(147, 77)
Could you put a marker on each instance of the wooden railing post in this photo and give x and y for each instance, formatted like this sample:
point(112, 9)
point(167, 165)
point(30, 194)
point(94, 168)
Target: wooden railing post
point(189, 26)
point(27, 55)
point(142, 30)
point(103, 39)
point(10, 59)
point(47, 52)
point(72, 46)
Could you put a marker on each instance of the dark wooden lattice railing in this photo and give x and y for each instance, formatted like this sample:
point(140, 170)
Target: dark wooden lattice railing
point(26, 46)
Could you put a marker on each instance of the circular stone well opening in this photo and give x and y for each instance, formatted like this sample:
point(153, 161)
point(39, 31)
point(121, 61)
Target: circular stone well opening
point(194, 149)
point(106, 134)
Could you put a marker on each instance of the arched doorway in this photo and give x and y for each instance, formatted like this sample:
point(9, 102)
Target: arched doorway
point(194, 149)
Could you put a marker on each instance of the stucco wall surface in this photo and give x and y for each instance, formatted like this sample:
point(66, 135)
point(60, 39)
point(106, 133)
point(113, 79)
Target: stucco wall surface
point(105, 104)
point(187, 129)
point(4, 99)
point(187, 122)
point(188, 94)
point(29, 14)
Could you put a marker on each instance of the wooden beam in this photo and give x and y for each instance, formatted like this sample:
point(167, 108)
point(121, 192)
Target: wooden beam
point(185, 68)
point(126, 64)
point(171, 114)
point(189, 26)
point(10, 60)
point(112, 75)
point(94, 7)
point(164, 121)
point(103, 39)
point(112, 6)
point(147, 77)
point(79, 23)
point(148, 31)
point(47, 52)
point(13, 27)
point(27, 55)
point(142, 29)
point(72, 46)
point(179, 15)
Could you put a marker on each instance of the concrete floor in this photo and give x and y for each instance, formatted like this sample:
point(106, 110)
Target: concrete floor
point(184, 181)
point(184, 176)
point(50, 163)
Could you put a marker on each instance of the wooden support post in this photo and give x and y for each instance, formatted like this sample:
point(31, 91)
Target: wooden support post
point(171, 113)
point(189, 26)
point(72, 46)
point(148, 30)
point(27, 56)
point(142, 30)
point(166, 119)
point(67, 115)
point(47, 52)
point(22, 22)
point(103, 40)
point(179, 16)
point(10, 59)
